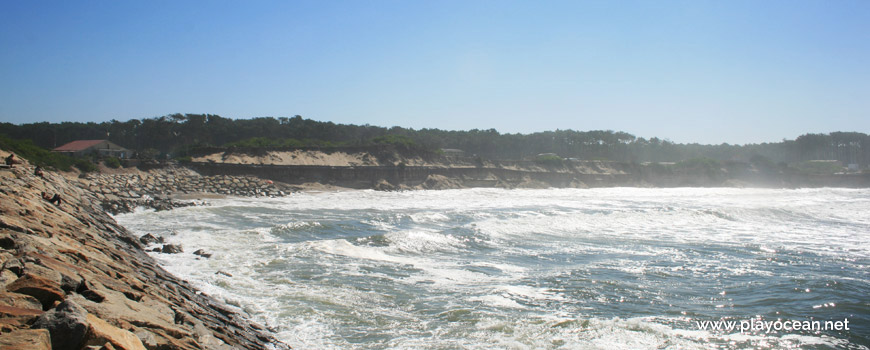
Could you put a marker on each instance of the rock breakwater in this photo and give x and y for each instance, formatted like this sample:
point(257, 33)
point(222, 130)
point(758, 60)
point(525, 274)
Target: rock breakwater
point(72, 278)
point(159, 188)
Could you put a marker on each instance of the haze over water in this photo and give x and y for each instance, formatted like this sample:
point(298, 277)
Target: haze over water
point(617, 268)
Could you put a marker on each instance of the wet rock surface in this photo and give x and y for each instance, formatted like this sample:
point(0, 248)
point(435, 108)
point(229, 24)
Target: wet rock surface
point(171, 249)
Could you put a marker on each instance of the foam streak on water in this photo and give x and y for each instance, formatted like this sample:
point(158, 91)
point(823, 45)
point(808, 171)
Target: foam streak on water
point(618, 268)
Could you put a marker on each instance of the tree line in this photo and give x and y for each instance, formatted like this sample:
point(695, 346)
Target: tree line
point(178, 134)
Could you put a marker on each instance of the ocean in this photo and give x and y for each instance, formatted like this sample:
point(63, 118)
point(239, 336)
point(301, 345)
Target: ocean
point(608, 268)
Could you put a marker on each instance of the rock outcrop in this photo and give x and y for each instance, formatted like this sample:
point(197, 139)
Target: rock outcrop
point(59, 262)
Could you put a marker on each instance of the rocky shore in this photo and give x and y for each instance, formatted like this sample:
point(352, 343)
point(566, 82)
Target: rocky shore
point(72, 278)
point(161, 188)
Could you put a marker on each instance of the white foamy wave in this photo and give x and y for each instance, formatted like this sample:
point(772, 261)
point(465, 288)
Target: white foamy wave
point(344, 248)
point(500, 301)
point(421, 241)
point(526, 269)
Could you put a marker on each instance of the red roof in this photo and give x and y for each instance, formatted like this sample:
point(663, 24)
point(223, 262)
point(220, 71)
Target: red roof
point(79, 145)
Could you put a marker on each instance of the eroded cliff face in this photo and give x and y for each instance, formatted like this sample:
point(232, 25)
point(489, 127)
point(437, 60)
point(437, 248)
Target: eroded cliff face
point(71, 268)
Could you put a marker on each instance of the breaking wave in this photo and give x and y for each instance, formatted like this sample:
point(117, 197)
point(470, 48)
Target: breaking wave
point(618, 268)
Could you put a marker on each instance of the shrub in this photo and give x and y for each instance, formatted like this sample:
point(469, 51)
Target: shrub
point(395, 140)
point(265, 142)
point(85, 165)
point(549, 160)
point(112, 162)
point(36, 155)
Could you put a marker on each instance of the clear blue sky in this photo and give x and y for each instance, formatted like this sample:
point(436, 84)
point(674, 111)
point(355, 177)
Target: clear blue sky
point(690, 71)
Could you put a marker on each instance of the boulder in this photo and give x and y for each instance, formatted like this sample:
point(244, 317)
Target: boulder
point(381, 185)
point(88, 291)
point(13, 264)
point(20, 301)
point(440, 182)
point(68, 325)
point(147, 338)
point(42, 271)
point(44, 290)
point(101, 332)
point(6, 277)
point(69, 284)
point(148, 239)
point(202, 253)
point(31, 339)
point(21, 316)
point(5, 256)
point(172, 249)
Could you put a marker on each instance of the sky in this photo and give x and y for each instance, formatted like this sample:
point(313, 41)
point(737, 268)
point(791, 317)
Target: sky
point(688, 71)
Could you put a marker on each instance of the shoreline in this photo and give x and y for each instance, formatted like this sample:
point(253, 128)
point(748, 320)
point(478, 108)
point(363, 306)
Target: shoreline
point(80, 255)
point(73, 264)
point(172, 186)
point(575, 174)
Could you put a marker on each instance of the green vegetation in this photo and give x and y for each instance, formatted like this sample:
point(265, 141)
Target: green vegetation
point(702, 164)
point(178, 134)
point(85, 165)
point(112, 162)
point(400, 141)
point(699, 163)
point(550, 160)
point(263, 142)
point(39, 156)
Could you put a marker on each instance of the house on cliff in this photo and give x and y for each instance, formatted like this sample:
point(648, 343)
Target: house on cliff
point(103, 148)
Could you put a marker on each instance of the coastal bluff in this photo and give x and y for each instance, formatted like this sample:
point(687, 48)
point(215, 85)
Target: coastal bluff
point(72, 278)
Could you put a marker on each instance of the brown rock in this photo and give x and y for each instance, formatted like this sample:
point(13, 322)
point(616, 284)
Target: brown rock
point(42, 271)
point(105, 346)
point(172, 249)
point(19, 300)
point(102, 332)
point(5, 256)
point(44, 290)
point(10, 324)
point(440, 182)
point(11, 263)
point(6, 277)
point(381, 185)
point(31, 339)
point(18, 315)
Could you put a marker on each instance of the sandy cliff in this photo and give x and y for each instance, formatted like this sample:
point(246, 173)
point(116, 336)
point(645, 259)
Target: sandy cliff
point(71, 277)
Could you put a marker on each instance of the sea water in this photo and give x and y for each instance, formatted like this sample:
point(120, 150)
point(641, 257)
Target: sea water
point(614, 268)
